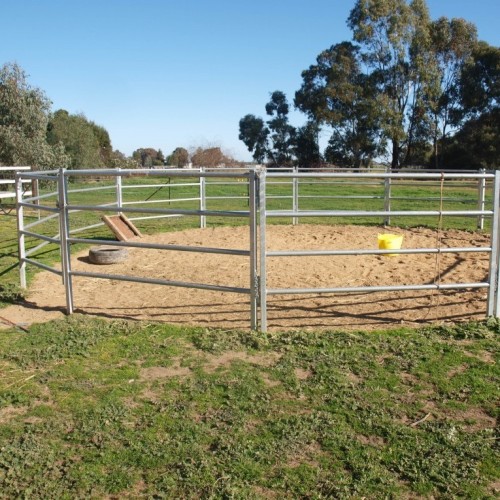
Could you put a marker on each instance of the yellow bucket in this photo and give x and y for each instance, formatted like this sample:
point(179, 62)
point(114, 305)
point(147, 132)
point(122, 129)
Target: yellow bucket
point(390, 242)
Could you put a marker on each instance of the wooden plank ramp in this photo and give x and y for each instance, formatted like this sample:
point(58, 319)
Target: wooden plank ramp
point(122, 227)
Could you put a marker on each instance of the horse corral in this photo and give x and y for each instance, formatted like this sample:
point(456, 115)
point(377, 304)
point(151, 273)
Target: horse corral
point(311, 275)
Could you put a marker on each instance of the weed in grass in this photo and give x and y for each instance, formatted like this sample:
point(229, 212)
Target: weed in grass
point(11, 293)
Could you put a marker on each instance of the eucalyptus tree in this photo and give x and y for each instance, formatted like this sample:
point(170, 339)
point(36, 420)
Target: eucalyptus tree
point(282, 135)
point(24, 116)
point(274, 140)
point(476, 144)
point(394, 38)
point(452, 46)
point(480, 81)
point(336, 92)
point(307, 149)
point(254, 134)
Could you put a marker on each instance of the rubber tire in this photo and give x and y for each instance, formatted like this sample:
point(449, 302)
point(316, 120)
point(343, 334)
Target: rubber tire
point(107, 255)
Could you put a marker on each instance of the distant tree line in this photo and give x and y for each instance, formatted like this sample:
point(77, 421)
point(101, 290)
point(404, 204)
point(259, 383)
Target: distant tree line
point(406, 88)
point(30, 134)
point(181, 157)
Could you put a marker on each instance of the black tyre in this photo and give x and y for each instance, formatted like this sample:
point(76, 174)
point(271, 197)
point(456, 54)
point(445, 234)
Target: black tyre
point(107, 255)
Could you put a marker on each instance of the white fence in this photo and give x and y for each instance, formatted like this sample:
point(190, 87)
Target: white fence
point(262, 189)
point(7, 184)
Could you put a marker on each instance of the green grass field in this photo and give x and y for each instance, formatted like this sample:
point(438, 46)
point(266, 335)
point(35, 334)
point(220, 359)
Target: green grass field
point(111, 409)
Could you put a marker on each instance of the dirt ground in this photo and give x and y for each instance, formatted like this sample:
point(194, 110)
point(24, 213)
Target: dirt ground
point(119, 299)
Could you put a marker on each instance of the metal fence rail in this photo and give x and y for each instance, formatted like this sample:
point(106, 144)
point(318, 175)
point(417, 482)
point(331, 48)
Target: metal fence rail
point(252, 191)
point(492, 307)
point(64, 210)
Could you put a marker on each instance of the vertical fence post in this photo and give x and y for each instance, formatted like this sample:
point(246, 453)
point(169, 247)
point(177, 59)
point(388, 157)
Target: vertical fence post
point(254, 282)
point(203, 198)
point(119, 192)
point(387, 198)
point(263, 272)
point(492, 309)
point(20, 228)
point(295, 181)
point(35, 192)
point(481, 199)
point(65, 248)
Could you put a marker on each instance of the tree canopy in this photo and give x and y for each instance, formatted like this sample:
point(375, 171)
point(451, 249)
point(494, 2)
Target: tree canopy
point(149, 157)
point(24, 116)
point(178, 158)
point(404, 89)
point(276, 141)
point(79, 138)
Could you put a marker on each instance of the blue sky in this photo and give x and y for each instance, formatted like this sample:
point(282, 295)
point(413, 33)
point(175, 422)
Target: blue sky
point(168, 73)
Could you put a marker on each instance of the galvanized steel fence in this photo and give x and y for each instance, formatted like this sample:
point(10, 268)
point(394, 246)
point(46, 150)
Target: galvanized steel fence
point(263, 189)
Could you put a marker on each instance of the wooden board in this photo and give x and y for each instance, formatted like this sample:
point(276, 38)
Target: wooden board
point(122, 227)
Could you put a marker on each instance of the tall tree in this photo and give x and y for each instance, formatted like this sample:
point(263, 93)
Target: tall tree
point(453, 42)
point(307, 147)
point(337, 93)
point(394, 39)
point(477, 143)
point(77, 135)
point(105, 147)
point(254, 133)
point(282, 134)
point(480, 81)
point(24, 115)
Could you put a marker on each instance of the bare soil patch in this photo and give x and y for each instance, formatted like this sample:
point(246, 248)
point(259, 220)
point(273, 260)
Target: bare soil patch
point(367, 310)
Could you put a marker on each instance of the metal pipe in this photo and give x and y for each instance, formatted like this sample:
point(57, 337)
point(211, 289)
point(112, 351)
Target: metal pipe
point(39, 236)
point(42, 266)
point(153, 173)
point(316, 253)
point(156, 281)
point(41, 221)
point(94, 188)
point(262, 230)
point(39, 207)
point(295, 193)
point(118, 190)
point(40, 196)
point(134, 186)
point(360, 289)
point(65, 248)
point(43, 176)
point(203, 200)
point(144, 202)
point(157, 246)
point(385, 175)
point(375, 213)
point(254, 282)
point(20, 234)
point(493, 277)
point(104, 208)
point(481, 200)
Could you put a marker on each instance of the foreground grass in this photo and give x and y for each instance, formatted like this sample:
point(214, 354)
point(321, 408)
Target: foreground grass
point(92, 409)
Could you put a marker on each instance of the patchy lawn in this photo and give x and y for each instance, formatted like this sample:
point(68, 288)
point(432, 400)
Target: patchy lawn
point(90, 408)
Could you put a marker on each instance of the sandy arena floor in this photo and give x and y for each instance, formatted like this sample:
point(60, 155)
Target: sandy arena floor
point(118, 299)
